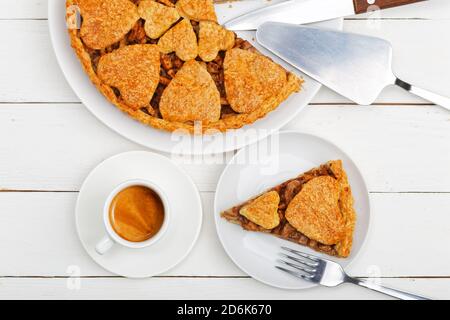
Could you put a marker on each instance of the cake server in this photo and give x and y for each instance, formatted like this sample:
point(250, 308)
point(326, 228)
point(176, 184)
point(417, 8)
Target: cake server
point(307, 11)
point(356, 66)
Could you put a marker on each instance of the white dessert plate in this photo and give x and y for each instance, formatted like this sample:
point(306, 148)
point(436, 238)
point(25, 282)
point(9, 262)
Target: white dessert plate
point(165, 141)
point(185, 218)
point(261, 166)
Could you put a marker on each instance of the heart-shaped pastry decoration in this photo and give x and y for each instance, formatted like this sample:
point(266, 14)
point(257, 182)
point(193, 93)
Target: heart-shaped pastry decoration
point(191, 96)
point(181, 39)
point(134, 70)
point(212, 39)
point(106, 22)
point(251, 79)
point(315, 211)
point(197, 10)
point(263, 210)
point(158, 17)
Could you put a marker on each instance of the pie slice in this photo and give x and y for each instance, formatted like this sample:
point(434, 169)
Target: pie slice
point(237, 85)
point(314, 210)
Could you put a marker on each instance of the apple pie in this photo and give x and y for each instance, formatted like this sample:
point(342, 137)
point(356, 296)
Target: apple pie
point(170, 65)
point(314, 210)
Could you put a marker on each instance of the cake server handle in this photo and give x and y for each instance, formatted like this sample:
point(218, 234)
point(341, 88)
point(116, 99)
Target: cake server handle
point(423, 93)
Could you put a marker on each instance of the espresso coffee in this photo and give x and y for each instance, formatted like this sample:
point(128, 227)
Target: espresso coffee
point(136, 213)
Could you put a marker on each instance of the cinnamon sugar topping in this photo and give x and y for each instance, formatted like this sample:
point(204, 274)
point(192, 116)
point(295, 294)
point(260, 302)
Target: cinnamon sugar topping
point(158, 17)
point(250, 79)
point(181, 39)
point(315, 212)
point(191, 96)
point(212, 39)
point(264, 210)
point(197, 10)
point(134, 71)
point(106, 22)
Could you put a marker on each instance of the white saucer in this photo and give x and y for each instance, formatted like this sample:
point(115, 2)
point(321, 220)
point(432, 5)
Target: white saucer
point(254, 170)
point(185, 223)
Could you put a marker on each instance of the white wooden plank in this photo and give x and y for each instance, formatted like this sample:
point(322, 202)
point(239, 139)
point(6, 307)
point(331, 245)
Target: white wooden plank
point(398, 148)
point(31, 74)
point(38, 237)
point(408, 233)
point(37, 9)
point(30, 71)
point(23, 9)
point(188, 289)
point(393, 146)
point(71, 143)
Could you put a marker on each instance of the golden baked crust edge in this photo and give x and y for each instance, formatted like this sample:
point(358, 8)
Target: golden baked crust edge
point(346, 204)
point(293, 85)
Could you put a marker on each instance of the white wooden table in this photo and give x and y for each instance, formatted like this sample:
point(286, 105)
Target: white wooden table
point(49, 142)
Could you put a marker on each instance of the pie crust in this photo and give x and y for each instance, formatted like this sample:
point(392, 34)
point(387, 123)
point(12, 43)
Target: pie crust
point(109, 26)
point(315, 210)
point(120, 67)
point(158, 17)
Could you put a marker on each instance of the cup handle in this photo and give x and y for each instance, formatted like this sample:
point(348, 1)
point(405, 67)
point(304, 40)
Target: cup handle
point(104, 245)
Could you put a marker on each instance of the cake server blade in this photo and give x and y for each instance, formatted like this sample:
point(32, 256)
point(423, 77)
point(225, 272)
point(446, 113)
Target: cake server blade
point(356, 66)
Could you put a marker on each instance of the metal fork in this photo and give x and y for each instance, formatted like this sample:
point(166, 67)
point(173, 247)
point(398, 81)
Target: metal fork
point(330, 274)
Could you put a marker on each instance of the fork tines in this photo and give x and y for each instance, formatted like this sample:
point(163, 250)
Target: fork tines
point(305, 263)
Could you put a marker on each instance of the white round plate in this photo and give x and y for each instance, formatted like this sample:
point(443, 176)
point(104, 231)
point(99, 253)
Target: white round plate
point(161, 140)
point(185, 222)
point(254, 170)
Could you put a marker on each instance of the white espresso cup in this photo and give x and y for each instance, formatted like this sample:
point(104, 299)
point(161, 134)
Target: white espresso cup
point(112, 238)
